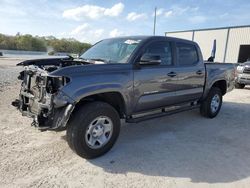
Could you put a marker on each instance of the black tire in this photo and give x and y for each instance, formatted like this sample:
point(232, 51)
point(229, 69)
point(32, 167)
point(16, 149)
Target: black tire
point(205, 108)
point(239, 86)
point(79, 123)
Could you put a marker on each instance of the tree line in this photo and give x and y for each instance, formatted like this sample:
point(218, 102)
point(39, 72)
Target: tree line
point(43, 44)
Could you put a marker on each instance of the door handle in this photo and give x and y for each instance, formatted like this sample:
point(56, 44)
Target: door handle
point(172, 74)
point(199, 72)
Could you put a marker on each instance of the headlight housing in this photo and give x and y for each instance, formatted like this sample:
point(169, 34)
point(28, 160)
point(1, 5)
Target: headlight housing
point(240, 68)
point(55, 83)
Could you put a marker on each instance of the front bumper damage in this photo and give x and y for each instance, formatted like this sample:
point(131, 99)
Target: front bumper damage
point(42, 99)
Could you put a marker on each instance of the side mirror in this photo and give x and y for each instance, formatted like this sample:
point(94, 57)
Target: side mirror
point(150, 59)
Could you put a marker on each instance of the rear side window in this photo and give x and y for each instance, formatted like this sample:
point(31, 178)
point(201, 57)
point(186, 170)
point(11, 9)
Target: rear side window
point(187, 54)
point(161, 48)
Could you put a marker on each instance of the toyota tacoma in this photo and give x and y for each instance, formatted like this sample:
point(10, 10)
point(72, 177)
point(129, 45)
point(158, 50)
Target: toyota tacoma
point(133, 78)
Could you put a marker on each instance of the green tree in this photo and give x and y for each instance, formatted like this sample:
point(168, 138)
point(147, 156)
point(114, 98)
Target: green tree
point(36, 43)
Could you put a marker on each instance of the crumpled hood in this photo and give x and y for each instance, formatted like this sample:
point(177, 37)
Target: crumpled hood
point(44, 61)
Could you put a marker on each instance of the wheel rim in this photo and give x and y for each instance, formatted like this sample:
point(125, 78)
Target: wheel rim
point(215, 103)
point(99, 132)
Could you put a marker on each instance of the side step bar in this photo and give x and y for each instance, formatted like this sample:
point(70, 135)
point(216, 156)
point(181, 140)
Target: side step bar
point(161, 114)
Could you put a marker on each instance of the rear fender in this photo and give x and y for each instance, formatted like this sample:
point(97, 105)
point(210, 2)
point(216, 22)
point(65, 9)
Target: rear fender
point(211, 84)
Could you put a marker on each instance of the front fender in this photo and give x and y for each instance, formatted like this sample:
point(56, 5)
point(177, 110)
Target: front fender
point(106, 79)
point(96, 89)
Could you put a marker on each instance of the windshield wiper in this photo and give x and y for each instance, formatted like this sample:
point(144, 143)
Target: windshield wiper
point(100, 59)
point(84, 60)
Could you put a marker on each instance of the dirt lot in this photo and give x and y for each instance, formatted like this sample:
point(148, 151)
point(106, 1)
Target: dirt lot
point(183, 150)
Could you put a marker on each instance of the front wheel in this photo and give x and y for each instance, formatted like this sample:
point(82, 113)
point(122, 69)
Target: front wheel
point(210, 107)
point(93, 129)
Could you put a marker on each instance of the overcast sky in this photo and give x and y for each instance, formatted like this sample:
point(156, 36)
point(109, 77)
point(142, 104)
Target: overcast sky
point(90, 21)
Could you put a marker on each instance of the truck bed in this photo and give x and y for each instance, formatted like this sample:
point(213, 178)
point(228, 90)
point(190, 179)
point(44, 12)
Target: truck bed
point(216, 71)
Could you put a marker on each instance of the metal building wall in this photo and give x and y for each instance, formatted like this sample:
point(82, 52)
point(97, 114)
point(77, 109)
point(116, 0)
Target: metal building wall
point(205, 40)
point(183, 35)
point(228, 40)
point(237, 36)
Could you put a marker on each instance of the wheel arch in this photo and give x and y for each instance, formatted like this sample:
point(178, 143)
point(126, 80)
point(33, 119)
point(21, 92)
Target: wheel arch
point(113, 98)
point(222, 85)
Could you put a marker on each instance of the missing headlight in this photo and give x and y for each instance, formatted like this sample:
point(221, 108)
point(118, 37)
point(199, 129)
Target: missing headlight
point(55, 83)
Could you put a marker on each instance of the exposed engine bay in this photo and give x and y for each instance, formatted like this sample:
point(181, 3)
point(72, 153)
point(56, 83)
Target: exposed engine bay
point(40, 96)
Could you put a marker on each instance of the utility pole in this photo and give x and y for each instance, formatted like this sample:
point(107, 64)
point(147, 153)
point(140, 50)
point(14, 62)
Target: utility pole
point(154, 20)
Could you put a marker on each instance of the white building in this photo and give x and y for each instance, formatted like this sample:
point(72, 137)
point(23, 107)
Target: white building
point(232, 43)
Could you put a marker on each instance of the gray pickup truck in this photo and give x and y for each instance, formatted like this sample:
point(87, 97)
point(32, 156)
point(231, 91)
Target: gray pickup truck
point(243, 75)
point(132, 78)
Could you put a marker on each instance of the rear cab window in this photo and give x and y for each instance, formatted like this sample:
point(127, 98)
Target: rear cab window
point(187, 54)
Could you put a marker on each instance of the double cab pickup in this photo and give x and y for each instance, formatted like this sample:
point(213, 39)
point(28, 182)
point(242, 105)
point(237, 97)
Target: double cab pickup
point(133, 78)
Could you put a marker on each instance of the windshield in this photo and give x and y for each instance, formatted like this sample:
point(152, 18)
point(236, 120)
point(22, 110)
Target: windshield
point(116, 50)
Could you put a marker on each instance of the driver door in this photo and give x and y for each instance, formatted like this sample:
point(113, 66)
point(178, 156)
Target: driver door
point(155, 85)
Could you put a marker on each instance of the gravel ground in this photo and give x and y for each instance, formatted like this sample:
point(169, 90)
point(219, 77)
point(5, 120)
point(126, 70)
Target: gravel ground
point(8, 72)
point(182, 150)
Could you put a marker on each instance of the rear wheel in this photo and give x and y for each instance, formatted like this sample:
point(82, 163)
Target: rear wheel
point(93, 129)
point(239, 86)
point(210, 107)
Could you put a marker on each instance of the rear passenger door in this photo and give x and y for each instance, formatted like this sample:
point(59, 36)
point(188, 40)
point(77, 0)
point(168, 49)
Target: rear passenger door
point(190, 72)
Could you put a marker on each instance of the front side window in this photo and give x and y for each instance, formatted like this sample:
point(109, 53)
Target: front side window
point(187, 54)
point(161, 48)
point(116, 50)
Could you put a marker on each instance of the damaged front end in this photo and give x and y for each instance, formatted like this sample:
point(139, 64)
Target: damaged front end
point(41, 97)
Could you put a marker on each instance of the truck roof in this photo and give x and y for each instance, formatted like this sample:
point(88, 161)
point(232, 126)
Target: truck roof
point(150, 37)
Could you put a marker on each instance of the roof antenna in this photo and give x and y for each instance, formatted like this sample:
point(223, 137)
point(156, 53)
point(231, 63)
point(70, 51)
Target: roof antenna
point(155, 20)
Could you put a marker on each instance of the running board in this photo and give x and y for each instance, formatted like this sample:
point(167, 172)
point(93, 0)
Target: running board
point(161, 114)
